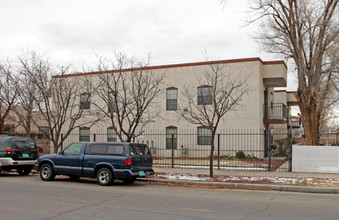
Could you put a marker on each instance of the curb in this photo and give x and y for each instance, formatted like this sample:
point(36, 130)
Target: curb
point(281, 188)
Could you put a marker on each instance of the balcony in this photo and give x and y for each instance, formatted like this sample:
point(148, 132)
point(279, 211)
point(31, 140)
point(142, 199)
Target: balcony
point(275, 113)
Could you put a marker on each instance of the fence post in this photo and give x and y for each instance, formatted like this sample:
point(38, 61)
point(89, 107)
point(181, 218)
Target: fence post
point(290, 150)
point(218, 151)
point(94, 137)
point(62, 140)
point(269, 148)
point(172, 138)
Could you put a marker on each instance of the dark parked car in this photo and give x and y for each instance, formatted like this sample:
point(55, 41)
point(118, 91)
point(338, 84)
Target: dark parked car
point(105, 161)
point(17, 153)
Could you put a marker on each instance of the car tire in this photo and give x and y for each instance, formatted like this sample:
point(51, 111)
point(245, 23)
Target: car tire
point(130, 180)
point(105, 177)
point(47, 173)
point(24, 171)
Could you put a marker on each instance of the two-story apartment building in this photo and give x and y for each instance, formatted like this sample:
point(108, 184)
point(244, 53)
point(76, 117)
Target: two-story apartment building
point(260, 108)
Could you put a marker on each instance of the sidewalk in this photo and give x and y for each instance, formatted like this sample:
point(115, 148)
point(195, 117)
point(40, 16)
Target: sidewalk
point(277, 181)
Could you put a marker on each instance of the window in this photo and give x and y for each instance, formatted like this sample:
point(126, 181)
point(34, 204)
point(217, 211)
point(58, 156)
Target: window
point(44, 130)
point(272, 100)
point(98, 149)
point(84, 101)
point(169, 132)
point(111, 135)
point(112, 102)
point(83, 134)
point(171, 98)
point(115, 149)
point(204, 136)
point(73, 149)
point(139, 150)
point(205, 95)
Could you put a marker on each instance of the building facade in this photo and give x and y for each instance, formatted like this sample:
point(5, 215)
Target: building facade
point(261, 108)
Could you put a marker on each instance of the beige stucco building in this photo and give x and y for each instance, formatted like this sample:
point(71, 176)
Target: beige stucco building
point(261, 108)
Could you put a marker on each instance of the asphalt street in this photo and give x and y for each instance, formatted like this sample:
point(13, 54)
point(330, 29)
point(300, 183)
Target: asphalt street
point(30, 198)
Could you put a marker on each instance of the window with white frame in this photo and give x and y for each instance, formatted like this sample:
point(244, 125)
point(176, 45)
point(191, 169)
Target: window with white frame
point(205, 95)
point(111, 135)
point(84, 134)
point(171, 98)
point(171, 137)
point(204, 136)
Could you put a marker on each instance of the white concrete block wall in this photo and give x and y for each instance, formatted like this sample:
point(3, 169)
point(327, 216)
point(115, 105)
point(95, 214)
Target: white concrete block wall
point(318, 159)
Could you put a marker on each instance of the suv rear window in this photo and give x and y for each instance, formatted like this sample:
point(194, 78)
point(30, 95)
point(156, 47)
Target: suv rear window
point(139, 150)
point(22, 143)
point(2, 142)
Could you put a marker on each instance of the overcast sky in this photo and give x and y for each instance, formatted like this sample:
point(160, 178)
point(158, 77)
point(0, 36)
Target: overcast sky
point(172, 31)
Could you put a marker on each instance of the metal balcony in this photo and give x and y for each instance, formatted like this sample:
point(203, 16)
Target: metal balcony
point(275, 113)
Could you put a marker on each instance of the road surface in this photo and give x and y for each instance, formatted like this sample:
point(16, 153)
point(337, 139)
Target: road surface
point(30, 198)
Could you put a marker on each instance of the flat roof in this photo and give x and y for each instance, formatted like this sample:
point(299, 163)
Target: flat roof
point(254, 59)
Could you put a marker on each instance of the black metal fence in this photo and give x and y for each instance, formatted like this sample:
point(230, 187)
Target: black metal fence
point(235, 149)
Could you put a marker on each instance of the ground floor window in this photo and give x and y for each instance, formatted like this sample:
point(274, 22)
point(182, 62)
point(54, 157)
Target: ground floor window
point(171, 132)
point(204, 136)
point(111, 135)
point(83, 134)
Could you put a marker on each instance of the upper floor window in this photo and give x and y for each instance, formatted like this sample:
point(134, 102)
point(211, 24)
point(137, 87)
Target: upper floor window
point(111, 135)
point(204, 136)
point(84, 101)
point(205, 95)
point(112, 101)
point(171, 98)
point(83, 134)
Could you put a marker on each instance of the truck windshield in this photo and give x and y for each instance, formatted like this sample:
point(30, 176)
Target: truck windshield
point(139, 150)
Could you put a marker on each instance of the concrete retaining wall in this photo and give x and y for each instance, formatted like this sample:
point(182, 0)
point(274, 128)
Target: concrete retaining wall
point(318, 159)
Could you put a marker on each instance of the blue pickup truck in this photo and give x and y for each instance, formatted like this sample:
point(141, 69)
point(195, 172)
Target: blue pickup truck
point(105, 161)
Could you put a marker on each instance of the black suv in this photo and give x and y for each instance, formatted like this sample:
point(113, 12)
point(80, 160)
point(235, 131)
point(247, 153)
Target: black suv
point(18, 153)
point(105, 161)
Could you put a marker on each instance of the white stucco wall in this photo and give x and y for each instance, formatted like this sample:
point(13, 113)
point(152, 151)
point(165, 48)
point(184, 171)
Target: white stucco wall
point(318, 159)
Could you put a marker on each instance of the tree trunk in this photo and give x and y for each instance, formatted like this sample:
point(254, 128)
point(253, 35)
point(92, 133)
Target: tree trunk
point(28, 128)
point(310, 115)
point(212, 154)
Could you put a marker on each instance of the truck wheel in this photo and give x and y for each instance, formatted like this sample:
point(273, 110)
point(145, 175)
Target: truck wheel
point(47, 173)
point(105, 177)
point(129, 180)
point(24, 171)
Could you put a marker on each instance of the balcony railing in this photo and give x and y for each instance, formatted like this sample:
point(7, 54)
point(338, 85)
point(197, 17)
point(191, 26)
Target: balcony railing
point(275, 111)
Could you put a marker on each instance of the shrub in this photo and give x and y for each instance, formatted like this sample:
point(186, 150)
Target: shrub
point(240, 155)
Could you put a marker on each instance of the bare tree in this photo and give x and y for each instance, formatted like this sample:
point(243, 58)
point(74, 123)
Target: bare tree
point(306, 31)
point(27, 93)
point(220, 94)
point(57, 99)
point(127, 88)
point(8, 94)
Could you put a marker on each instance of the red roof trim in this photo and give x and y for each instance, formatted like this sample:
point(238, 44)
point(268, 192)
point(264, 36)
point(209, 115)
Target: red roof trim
point(255, 59)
